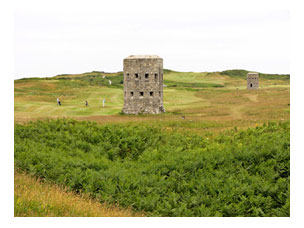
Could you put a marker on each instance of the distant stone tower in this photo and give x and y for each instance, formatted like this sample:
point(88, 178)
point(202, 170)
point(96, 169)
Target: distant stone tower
point(252, 80)
point(143, 84)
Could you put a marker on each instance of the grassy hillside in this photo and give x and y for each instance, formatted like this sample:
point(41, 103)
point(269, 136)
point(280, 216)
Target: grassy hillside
point(164, 165)
point(218, 99)
point(243, 74)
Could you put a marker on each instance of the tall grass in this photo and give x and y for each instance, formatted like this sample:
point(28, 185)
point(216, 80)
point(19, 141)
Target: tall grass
point(35, 198)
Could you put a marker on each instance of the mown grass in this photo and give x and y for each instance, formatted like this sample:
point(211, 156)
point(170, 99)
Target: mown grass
point(193, 85)
point(98, 80)
point(35, 198)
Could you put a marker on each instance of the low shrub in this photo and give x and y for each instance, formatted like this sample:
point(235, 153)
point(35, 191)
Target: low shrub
point(237, 173)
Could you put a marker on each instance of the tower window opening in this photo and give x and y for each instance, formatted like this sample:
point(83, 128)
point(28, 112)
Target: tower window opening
point(141, 94)
point(151, 94)
point(146, 76)
point(159, 93)
point(132, 94)
point(136, 75)
point(155, 76)
point(250, 84)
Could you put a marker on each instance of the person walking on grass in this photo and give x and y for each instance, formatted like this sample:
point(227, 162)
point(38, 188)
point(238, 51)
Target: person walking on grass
point(58, 102)
point(103, 102)
point(86, 103)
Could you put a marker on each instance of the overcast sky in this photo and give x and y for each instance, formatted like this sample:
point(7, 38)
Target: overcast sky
point(50, 41)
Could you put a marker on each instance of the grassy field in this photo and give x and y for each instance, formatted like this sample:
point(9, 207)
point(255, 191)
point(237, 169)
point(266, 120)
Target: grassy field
point(210, 102)
point(214, 99)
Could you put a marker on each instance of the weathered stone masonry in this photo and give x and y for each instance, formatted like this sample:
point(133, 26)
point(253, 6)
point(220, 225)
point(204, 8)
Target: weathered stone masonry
point(143, 84)
point(252, 80)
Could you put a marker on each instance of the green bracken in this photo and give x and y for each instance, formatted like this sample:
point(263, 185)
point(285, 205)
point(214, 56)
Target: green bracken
point(234, 173)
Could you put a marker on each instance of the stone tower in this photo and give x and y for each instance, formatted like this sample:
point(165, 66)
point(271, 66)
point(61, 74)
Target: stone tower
point(143, 84)
point(252, 80)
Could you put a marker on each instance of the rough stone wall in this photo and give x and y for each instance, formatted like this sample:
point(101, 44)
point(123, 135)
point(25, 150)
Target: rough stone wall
point(143, 85)
point(252, 80)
